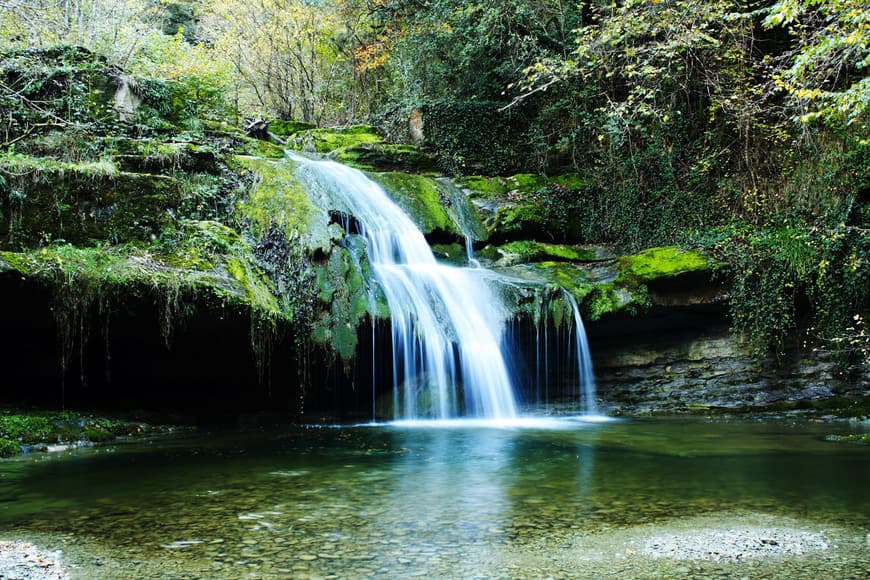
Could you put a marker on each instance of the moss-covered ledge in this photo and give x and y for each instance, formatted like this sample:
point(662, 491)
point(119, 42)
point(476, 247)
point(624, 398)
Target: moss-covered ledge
point(605, 284)
point(210, 261)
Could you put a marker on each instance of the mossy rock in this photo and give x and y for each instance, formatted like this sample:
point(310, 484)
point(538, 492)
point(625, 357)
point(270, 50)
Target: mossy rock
point(524, 251)
point(344, 301)
point(665, 262)
point(260, 148)
point(285, 128)
point(230, 275)
point(422, 198)
point(516, 185)
point(278, 197)
point(455, 254)
point(333, 140)
point(521, 183)
point(79, 202)
point(386, 157)
point(160, 157)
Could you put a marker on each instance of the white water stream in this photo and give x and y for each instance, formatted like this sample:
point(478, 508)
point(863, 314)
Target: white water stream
point(448, 323)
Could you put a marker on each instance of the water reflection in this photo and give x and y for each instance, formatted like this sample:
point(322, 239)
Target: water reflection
point(457, 499)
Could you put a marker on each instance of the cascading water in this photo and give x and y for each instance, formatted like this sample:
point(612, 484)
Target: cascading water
point(584, 358)
point(448, 325)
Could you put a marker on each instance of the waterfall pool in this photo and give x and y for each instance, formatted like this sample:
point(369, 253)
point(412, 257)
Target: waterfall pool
point(641, 498)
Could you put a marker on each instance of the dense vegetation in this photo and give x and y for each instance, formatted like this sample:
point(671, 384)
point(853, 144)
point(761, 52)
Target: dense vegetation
point(741, 127)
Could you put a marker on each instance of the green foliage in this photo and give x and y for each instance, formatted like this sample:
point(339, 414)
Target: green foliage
point(61, 87)
point(778, 268)
point(470, 136)
point(855, 438)
point(826, 75)
point(41, 428)
point(8, 448)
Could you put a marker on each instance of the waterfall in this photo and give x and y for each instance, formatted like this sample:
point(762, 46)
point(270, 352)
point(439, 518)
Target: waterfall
point(585, 376)
point(448, 324)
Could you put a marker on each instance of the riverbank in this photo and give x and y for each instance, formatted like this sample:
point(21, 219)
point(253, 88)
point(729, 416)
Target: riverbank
point(35, 431)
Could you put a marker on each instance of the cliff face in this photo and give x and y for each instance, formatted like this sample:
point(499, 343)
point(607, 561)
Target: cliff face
point(148, 259)
point(687, 360)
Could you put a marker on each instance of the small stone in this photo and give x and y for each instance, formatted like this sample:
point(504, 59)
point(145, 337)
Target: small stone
point(307, 557)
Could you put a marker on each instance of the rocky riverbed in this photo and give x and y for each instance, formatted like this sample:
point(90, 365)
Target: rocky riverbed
point(24, 561)
point(715, 545)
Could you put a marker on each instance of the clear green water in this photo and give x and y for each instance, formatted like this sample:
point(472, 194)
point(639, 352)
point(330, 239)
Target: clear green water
point(387, 501)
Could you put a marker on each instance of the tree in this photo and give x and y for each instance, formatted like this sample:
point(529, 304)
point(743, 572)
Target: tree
point(112, 28)
point(826, 74)
point(285, 51)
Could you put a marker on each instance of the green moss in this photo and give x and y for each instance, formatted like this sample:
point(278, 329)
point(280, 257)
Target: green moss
point(855, 438)
point(256, 288)
point(334, 140)
point(97, 434)
point(43, 168)
point(521, 184)
point(565, 275)
point(284, 128)
point(532, 251)
point(607, 299)
point(49, 200)
point(570, 180)
point(451, 253)
point(344, 303)
point(525, 182)
point(215, 262)
point(277, 197)
point(386, 157)
point(421, 197)
point(484, 186)
point(526, 220)
point(664, 262)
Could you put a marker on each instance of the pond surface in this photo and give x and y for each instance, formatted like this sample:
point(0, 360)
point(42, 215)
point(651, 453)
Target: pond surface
point(561, 499)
